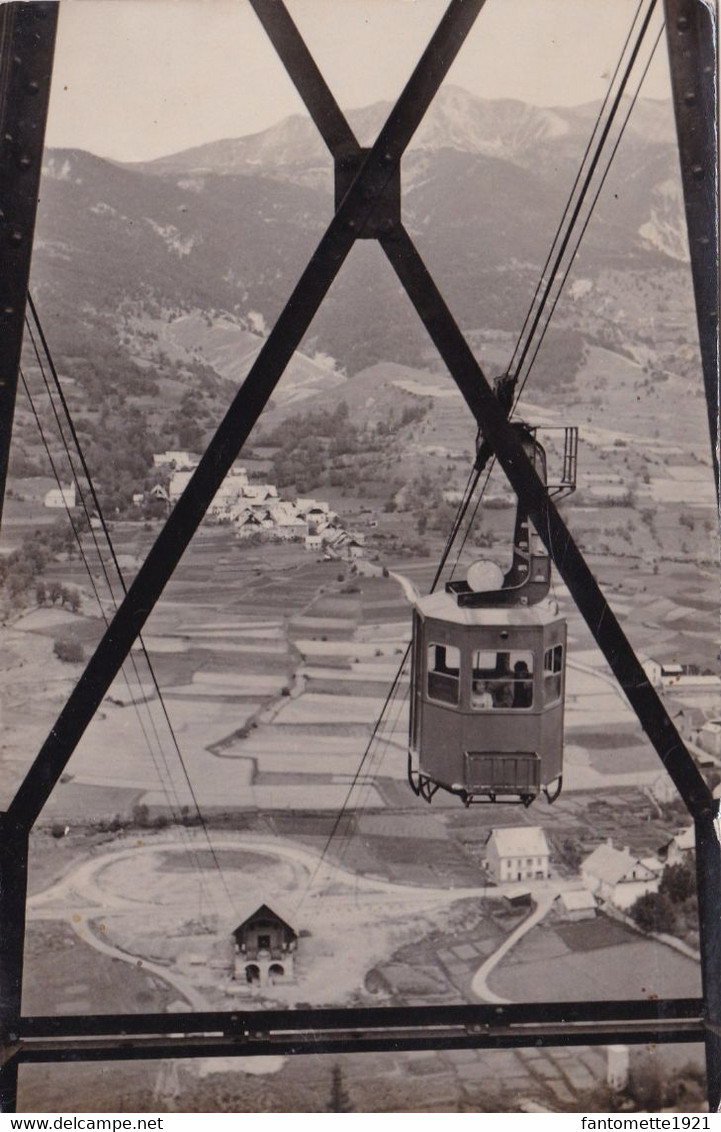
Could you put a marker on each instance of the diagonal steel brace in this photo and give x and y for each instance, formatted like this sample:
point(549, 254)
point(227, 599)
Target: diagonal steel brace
point(355, 209)
point(468, 375)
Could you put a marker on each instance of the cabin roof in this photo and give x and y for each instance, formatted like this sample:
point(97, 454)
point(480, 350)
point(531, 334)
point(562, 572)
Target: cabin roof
point(445, 608)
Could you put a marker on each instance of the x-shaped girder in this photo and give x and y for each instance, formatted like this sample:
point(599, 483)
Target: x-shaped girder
point(377, 168)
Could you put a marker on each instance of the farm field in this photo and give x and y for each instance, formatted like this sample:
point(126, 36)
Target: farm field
point(273, 667)
point(592, 959)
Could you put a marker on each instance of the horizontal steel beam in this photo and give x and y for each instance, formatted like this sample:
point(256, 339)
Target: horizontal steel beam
point(519, 1036)
point(251, 1022)
point(250, 1033)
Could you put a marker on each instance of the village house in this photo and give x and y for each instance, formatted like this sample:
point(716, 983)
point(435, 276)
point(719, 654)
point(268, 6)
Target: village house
point(178, 483)
point(264, 947)
point(230, 491)
point(617, 877)
point(709, 737)
point(286, 522)
point(60, 497)
point(178, 461)
point(316, 513)
point(518, 853)
point(663, 788)
point(681, 848)
point(257, 509)
point(257, 493)
point(247, 522)
point(678, 677)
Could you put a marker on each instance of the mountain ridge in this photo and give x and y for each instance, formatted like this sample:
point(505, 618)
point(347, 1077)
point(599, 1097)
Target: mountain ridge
point(456, 119)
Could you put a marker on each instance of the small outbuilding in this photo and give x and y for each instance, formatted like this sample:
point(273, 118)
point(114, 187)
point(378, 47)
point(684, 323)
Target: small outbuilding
point(265, 944)
point(577, 904)
point(519, 897)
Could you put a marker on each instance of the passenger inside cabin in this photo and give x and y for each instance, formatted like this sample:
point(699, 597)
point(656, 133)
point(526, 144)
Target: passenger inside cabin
point(522, 685)
point(481, 695)
point(503, 694)
point(502, 680)
point(502, 688)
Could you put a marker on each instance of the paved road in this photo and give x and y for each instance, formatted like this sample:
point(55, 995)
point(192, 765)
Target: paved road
point(407, 586)
point(82, 896)
point(544, 902)
point(81, 888)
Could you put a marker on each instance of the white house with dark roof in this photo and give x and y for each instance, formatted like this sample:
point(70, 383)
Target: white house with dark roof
point(616, 876)
point(518, 853)
point(247, 523)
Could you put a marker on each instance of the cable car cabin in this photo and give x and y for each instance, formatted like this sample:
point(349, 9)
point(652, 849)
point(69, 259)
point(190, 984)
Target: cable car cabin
point(488, 676)
point(487, 708)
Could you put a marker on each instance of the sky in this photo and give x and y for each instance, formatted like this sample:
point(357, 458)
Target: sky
point(136, 79)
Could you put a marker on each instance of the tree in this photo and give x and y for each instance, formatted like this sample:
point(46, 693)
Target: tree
point(141, 815)
point(69, 651)
point(678, 883)
point(572, 853)
point(654, 912)
point(339, 1100)
point(55, 592)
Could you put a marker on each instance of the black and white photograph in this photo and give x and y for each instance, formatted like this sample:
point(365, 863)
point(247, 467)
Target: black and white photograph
point(360, 665)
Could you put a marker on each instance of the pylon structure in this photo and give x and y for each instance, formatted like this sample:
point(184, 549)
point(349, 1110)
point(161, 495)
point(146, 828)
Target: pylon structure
point(368, 206)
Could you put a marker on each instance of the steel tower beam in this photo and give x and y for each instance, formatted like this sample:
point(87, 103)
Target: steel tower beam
point(372, 184)
point(27, 43)
point(692, 39)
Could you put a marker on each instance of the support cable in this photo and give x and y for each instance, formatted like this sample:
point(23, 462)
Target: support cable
point(121, 579)
point(78, 539)
point(567, 269)
point(575, 185)
point(587, 220)
point(460, 513)
point(586, 184)
point(475, 473)
point(175, 809)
